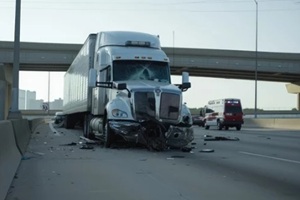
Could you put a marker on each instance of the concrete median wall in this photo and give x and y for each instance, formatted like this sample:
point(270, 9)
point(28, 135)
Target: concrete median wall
point(14, 139)
point(286, 123)
point(22, 133)
point(10, 156)
point(33, 123)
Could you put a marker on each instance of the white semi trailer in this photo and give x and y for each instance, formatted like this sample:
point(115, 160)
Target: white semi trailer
point(119, 86)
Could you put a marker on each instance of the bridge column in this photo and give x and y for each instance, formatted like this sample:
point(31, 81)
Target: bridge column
point(294, 88)
point(5, 90)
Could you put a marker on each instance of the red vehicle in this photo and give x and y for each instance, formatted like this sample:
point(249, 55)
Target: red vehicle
point(223, 113)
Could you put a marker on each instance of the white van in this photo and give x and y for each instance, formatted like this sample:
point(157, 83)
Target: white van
point(223, 113)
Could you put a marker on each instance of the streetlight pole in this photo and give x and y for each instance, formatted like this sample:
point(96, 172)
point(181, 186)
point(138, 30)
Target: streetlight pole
point(256, 33)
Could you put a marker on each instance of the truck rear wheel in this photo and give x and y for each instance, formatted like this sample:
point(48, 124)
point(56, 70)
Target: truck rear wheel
point(238, 127)
point(108, 134)
point(68, 122)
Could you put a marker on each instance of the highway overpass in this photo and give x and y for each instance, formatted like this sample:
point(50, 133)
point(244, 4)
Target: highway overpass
point(235, 64)
point(232, 64)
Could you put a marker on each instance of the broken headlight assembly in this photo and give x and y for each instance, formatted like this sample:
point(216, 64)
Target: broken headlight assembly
point(119, 113)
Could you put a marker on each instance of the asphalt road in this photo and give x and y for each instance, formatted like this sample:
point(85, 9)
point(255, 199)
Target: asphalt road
point(253, 164)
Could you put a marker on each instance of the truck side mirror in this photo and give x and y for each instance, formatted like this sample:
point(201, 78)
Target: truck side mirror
point(121, 86)
point(185, 81)
point(92, 79)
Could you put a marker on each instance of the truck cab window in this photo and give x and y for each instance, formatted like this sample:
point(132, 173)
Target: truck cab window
point(124, 70)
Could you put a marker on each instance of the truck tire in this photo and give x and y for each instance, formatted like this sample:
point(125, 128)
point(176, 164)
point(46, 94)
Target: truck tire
point(238, 127)
point(108, 134)
point(67, 122)
point(70, 121)
point(87, 132)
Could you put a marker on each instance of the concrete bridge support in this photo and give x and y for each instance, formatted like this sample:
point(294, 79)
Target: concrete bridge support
point(294, 88)
point(5, 90)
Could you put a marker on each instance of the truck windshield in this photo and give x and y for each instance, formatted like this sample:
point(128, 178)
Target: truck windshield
point(124, 70)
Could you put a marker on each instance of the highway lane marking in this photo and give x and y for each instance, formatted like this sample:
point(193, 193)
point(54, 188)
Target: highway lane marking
point(271, 157)
point(53, 129)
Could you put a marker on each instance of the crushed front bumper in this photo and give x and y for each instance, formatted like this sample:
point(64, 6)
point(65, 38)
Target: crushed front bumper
point(179, 136)
point(131, 131)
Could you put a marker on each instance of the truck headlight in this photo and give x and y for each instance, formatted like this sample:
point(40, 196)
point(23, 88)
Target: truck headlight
point(119, 113)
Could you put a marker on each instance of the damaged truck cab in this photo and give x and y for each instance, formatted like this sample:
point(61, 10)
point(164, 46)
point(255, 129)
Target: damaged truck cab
point(119, 86)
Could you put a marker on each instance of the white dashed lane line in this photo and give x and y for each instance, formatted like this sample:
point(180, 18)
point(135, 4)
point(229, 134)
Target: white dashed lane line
point(270, 157)
point(53, 129)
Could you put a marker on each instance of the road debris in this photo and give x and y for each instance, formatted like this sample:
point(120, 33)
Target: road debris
point(186, 149)
point(86, 147)
point(88, 140)
point(219, 138)
point(69, 144)
point(207, 150)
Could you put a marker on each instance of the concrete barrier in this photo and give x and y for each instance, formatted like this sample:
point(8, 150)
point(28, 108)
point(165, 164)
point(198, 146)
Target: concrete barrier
point(33, 123)
point(22, 133)
point(10, 157)
point(284, 123)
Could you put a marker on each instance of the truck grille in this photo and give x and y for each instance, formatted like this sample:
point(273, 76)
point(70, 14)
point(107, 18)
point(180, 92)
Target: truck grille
point(169, 106)
point(145, 105)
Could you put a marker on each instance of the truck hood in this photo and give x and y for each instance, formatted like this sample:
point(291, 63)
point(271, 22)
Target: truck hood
point(136, 85)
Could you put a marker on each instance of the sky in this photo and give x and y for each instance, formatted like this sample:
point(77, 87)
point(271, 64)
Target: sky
point(208, 24)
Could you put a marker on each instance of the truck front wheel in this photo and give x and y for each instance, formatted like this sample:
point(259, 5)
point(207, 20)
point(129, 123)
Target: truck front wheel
point(108, 134)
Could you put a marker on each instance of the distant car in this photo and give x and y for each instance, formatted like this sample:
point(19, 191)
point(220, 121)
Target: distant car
point(198, 120)
point(59, 117)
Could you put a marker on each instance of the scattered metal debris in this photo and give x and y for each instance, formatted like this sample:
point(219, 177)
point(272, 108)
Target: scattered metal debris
point(186, 149)
point(88, 140)
point(69, 144)
point(86, 147)
point(219, 138)
point(207, 150)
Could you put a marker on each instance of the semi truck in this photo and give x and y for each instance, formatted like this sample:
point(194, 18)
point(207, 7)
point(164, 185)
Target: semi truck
point(119, 88)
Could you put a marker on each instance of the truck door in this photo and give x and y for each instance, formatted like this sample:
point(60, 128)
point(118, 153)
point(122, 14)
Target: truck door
point(103, 93)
